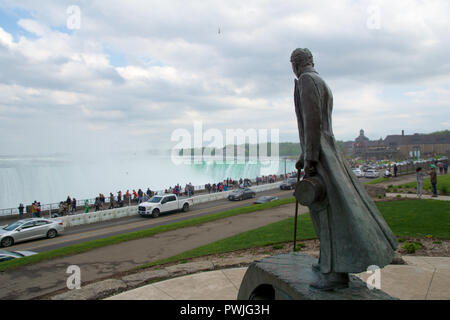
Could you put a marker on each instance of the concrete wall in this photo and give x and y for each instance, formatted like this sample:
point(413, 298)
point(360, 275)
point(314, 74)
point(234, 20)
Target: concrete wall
point(105, 215)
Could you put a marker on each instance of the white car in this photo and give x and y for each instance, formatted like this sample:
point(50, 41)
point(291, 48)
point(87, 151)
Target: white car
point(358, 173)
point(372, 174)
point(164, 203)
point(29, 229)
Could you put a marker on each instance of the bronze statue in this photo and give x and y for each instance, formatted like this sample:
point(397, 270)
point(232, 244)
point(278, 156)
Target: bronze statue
point(353, 234)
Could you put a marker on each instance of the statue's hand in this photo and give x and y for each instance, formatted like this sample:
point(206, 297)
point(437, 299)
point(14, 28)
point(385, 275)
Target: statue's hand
point(300, 164)
point(310, 169)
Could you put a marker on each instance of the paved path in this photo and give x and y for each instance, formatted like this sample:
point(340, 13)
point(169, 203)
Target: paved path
point(414, 196)
point(48, 276)
point(398, 180)
point(423, 278)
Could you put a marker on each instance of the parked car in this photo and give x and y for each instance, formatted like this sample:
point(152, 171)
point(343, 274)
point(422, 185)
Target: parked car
point(164, 203)
point(241, 194)
point(29, 229)
point(357, 173)
point(372, 174)
point(10, 255)
point(265, 199)
point(288, 184)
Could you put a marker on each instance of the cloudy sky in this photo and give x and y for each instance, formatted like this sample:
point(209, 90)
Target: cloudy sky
point(128, 73)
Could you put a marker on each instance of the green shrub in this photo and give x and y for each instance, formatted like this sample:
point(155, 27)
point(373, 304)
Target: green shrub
point(399, 196)
point(412, 247)
point(278, 246)
point(395, 189)
point(437, 242)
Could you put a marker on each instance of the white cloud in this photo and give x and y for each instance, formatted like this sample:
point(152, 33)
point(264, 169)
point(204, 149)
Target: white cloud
point(6, 39)
point(33, 26)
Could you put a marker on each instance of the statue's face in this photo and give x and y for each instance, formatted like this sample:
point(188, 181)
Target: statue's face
point(294, 68)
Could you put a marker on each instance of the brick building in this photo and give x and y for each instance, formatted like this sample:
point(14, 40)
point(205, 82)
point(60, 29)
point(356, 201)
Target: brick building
point(399, 146)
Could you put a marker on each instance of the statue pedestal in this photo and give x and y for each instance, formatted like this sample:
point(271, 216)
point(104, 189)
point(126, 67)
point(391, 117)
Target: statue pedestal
point(288, 276)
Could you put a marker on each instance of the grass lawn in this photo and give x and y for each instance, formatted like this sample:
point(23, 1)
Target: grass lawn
point(411, 218)
point(378, 180)
point(417, 218)
point(443, 184)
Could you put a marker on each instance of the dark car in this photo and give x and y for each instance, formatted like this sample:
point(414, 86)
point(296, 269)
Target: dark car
point(242, 194)
point(266, 199)
point(288, 184)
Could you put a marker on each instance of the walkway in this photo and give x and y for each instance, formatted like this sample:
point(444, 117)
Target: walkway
point(414, 196)
point(423, 278)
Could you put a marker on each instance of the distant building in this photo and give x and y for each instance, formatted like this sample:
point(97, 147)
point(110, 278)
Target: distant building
point(398, 146)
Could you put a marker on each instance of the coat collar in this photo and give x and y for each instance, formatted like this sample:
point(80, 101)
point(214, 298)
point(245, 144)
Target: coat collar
point(307, 69)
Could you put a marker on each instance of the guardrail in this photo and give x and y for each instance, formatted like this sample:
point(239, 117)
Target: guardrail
point(105, 215)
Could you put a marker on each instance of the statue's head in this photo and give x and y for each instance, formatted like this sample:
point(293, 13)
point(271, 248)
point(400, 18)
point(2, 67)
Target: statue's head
point(301, 58)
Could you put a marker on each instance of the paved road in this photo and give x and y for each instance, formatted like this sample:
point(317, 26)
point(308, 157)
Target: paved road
point(104, 229)
point(46, 277)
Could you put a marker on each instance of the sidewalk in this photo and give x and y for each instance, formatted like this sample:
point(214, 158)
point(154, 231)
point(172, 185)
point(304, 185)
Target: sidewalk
point(414, 196)
point(422, 278)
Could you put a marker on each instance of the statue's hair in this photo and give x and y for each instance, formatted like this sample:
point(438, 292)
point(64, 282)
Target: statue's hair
point(302, 57)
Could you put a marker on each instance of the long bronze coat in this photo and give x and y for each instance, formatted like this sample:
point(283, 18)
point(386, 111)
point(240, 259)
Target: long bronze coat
point(353, 234)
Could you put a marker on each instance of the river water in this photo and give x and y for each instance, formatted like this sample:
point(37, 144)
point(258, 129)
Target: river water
point(50, 179)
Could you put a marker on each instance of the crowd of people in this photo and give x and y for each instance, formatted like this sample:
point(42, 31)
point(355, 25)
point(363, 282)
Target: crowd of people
point(70, 205)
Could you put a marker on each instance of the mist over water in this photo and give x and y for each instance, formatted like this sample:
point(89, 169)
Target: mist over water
point(50, 179)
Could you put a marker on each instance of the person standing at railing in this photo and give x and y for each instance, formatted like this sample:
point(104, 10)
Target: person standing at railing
point(140, 194)
point(61, 209)
point(119, 199)
point(74, 205)
point(86, 206)
point(21, 207)
point(97, 204)
point(68, 203)
point(38, 210)
point(111, 200)
point(33, 209)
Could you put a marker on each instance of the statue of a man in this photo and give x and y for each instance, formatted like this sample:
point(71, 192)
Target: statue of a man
point(353, 234)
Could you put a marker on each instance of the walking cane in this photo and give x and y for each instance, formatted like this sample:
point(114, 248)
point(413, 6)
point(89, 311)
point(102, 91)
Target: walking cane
point(296, 212)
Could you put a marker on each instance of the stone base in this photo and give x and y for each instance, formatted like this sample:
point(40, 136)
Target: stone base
point(288, 276)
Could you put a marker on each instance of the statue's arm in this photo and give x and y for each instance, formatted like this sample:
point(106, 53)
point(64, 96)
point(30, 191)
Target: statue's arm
point(300, 163)
point(312, 118)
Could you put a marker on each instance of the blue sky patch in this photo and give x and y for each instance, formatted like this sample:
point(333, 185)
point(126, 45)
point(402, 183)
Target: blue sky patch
point(9, 19)
point(116, 58)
